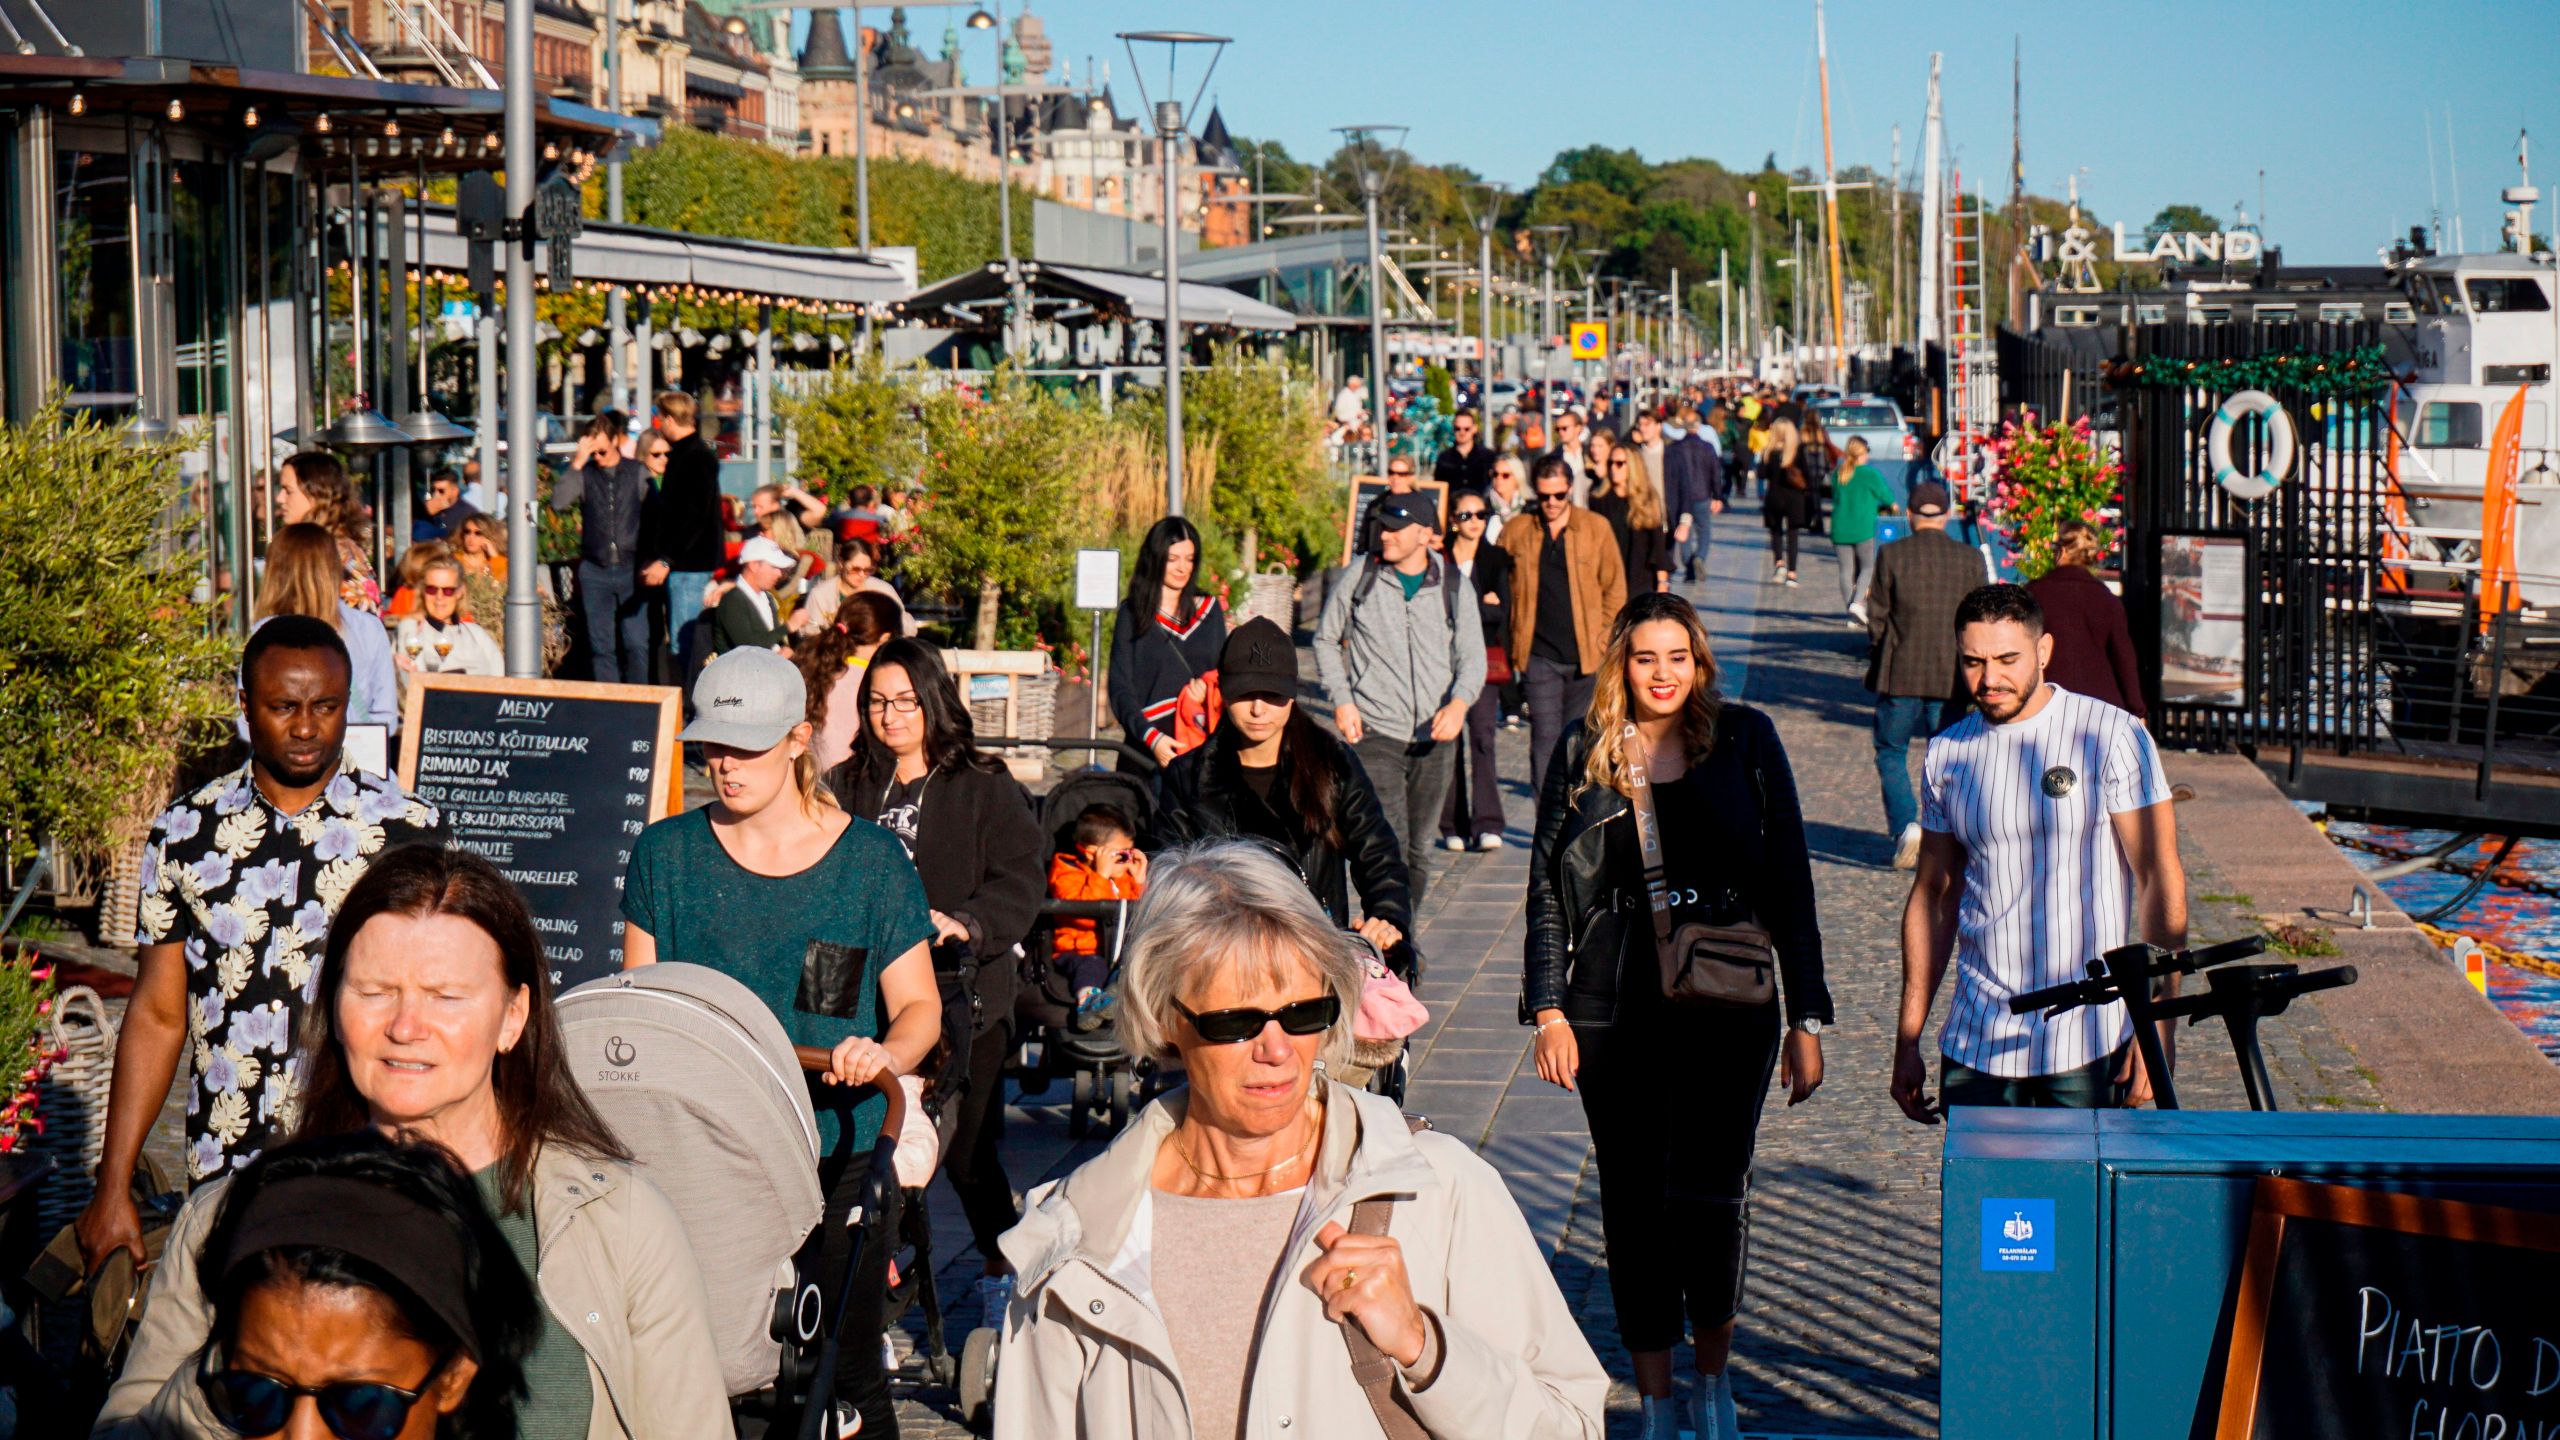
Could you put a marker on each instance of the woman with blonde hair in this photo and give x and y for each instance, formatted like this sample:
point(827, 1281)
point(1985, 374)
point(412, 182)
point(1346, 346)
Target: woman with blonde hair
point(1632, 505)
point(1672, 1081)
point(312, 489)
point(304, 578)
point(439, 638)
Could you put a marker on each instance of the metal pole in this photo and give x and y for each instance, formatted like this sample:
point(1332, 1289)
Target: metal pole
point(617, 370)
point(760, 390)
point(1370, 183)
point(1168, 140)
point(1484, 315)
point(862, 138)
point(1724, 309)
point(1546, 353)
point(1004, 196)
point(524, 611)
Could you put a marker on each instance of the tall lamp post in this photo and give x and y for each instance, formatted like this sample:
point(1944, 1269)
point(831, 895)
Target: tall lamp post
point(1547, 325)
point(524, 610)
point(1483, 219)
point(1169, 116)
point(1374, 159)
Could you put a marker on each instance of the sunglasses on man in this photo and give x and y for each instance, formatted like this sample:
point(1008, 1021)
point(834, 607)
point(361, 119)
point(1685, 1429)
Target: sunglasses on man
point(1234, 1027)
point(1555, 497)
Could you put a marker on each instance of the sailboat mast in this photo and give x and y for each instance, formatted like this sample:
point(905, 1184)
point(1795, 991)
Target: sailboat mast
point(1831, 206)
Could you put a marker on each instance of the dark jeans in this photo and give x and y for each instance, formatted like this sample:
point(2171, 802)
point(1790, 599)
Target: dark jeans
point(1558, 696)
point(2091, 1087)
point(1412, 779)
point(617, 622)
point(971, 1157)
point(861, 1382)
point(1786, 509)
point(1674, 1099)
point(1693, 551)
point(1901, 719)
point(1475, 796)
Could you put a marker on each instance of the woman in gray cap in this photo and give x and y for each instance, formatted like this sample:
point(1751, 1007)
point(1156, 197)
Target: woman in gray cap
point(819, 913)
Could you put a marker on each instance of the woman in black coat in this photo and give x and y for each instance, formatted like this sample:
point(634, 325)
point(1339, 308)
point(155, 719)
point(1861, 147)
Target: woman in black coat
point(1673, 1092)
point(1270, 773)
point(1474, 811)
point(917, 770)
point(1166, 636)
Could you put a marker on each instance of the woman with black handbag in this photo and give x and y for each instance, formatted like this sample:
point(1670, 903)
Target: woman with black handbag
point(1671, 918)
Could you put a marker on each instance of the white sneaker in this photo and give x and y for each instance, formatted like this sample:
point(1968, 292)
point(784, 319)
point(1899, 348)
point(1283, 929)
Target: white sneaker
point(1858, 612)
point(1711, 1413)
point(1778, 575)
point(1906, 852)
point(1453, 842)
point(1661, 1418)
point(1791, 579)
point(1489, 841)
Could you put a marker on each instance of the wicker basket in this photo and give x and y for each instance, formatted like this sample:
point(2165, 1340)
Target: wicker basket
point(1035, 709)
point(72, 1098)
point(1272, 596)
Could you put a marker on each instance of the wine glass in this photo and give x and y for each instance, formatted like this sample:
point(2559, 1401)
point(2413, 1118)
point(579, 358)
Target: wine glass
point(444, 648)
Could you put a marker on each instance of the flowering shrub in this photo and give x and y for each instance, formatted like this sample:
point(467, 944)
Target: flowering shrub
point(2050, 474)
point(26, 1045)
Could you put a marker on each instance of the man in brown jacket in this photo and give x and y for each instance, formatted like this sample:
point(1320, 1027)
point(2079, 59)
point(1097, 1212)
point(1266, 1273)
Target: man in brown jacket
point(1567, 586)
point(1911, 619)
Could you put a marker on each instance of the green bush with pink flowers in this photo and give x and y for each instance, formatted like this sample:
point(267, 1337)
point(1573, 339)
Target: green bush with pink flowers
point(2048, 475)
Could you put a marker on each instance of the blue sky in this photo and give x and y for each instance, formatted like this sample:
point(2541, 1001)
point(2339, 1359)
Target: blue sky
point(2171, 100)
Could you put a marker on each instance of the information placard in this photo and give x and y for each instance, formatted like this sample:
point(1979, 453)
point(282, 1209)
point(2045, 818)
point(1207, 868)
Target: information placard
point(1097, 579)
point(551, 781)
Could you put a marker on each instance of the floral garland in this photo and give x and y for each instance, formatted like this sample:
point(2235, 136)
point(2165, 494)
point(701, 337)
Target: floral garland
point(2048, 475)
point(2358, 371)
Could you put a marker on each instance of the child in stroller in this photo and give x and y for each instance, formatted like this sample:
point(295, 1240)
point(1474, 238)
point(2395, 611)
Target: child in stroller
point(1106, 864)
point(1074, 947)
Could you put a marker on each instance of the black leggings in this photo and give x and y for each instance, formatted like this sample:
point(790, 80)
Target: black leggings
point(971, 1159)
point(1674, 1100)
point(1786, 508)
point(860, 1380)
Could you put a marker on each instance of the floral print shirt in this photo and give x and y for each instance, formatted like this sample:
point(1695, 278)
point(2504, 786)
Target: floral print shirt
point(248, 891)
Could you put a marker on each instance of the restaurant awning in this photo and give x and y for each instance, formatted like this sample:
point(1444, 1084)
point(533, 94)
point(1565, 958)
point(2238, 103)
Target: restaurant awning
point(606, 254)
point(964, 297)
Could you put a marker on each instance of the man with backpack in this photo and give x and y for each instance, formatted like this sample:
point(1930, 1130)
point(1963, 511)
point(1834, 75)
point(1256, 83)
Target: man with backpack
point(1400, 653)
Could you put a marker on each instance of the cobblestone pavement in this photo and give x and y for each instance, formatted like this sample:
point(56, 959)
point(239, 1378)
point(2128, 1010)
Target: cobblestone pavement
point(1839, 1336)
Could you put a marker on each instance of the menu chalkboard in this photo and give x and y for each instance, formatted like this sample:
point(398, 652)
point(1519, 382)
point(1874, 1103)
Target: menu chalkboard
point(551, 780)
point(2372, 1313)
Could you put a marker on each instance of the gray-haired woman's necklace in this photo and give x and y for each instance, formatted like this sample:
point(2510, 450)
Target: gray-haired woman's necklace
point(1315, 1132)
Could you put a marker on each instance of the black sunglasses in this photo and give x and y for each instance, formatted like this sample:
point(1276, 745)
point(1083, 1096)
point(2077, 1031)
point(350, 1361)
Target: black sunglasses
point(1232, 1027)
point(255, 1404)
point(1465, 515)
point(1554, 497)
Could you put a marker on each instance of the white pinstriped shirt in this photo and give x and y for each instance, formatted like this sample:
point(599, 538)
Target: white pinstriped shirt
point(2046, 887)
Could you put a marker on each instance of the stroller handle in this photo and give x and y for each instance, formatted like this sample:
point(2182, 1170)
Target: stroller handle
point(1145, 758)
point(817, 1059)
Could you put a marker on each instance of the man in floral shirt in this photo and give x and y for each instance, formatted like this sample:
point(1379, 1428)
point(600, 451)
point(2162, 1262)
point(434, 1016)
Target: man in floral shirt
point(238, 883)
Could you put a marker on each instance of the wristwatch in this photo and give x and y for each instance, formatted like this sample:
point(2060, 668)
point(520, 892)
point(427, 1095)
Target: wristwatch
point(1811, 1025)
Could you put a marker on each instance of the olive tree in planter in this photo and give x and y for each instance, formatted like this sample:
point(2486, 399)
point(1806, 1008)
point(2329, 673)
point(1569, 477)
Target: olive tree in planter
point(110, 665)
point(1002, 476)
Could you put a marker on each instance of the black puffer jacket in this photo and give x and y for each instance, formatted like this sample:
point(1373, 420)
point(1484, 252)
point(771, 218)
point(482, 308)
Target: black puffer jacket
point(1202, 796)
point(1588, 921)
point(981, 854)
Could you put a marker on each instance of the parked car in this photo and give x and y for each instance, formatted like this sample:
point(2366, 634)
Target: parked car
point(1891, 447)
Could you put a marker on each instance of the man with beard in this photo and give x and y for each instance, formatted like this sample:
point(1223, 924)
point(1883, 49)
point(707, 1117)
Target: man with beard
point(2045, 819)
point(239, 881)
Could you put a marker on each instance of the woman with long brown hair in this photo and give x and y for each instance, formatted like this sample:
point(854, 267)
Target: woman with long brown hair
point(1672, 1083)
point(304, 577)
point(312, 489)
point(431, 1020)
point(1632, 504)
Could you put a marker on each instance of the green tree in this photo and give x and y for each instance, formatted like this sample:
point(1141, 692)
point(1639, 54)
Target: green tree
point(1001, 480)
point(2190, 219)
point(109, 665)
point(855, 428)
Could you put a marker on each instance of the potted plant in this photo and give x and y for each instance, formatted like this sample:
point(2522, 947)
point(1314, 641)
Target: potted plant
point(2049, 474)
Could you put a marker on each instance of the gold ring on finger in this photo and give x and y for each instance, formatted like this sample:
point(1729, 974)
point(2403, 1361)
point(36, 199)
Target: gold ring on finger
point(1350, 1278)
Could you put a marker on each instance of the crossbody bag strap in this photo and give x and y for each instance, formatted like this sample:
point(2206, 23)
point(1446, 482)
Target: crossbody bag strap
point(1369, 1364)
point(1657, 889)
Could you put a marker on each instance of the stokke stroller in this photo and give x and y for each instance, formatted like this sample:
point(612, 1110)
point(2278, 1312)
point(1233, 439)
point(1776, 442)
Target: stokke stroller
point(698, 1078)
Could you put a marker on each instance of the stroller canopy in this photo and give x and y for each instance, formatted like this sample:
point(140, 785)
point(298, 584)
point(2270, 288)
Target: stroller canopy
point(697, 1078)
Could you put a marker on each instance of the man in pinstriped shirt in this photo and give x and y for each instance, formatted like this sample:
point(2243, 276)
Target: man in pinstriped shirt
point(2046, 837)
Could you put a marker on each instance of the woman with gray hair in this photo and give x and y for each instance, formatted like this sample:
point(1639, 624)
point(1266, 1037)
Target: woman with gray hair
point(1266, 1248)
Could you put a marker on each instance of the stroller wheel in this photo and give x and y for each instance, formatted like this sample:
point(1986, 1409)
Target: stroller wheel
point(978, 1380)
point(1080, 1106)
point(1122, 1084)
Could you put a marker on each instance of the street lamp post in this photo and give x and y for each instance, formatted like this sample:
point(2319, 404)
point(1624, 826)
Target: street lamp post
point(524, 610)
point(1169, 117)
point(1484, 307)
point(1547, 326)
point(1374, 169)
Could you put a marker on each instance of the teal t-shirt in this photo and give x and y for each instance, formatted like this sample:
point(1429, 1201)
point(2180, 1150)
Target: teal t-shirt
point(704, 908)
point(1412, 583)
point(559, 1394)
point(1856, 503)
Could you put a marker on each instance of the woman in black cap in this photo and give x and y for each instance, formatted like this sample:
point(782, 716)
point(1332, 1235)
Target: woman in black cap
point(364, 1279)
point(1271, 773)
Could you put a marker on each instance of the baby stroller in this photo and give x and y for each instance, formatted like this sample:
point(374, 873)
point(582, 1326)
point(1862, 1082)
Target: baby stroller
point(699, 1079)
point(1082, 1048)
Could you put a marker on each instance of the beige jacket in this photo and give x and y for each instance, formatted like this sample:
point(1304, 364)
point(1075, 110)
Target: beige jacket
point(1086, 1353)
point(616, 1271)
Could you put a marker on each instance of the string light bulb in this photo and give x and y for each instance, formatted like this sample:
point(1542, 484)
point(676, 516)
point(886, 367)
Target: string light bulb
point(177, 108)
point(550, 150)
point(391, 128)
point(249, 118)
point(79, 102)
point(322, 124)
point(445, 140)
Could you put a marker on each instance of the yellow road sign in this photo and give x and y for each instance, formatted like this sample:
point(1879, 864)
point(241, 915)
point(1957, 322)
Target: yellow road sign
point(1588, 340)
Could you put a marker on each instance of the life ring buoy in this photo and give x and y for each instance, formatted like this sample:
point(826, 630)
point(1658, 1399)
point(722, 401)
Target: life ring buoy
point(2279, 453)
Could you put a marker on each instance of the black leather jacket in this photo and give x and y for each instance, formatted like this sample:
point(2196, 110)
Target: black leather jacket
point(1588, 923)
point(1202, 796)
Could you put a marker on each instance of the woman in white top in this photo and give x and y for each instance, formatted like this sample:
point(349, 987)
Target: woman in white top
point(439, 639)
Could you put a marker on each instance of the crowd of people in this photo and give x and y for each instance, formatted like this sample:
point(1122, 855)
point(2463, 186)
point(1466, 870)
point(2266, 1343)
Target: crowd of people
point(405, 1219)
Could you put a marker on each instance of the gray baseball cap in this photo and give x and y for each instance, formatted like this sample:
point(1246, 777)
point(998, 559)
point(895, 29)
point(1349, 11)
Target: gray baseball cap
point(747, 700)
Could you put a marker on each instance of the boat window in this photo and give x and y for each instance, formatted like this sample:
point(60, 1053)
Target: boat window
point(2398, 312)
point(2214, 314)
point(2337, 312)
point(2075, 315)
point(2430, 298)
point(2150, 314)
point(2448, 425)
point(2499, 295)
point(2273, 314)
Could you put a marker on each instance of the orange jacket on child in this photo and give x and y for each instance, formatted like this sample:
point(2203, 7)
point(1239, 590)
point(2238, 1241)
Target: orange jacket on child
point(1070, 878)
